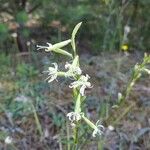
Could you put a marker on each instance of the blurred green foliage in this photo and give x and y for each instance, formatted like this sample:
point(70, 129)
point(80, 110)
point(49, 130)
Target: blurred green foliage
point(104, 21)
point(25, 71)
point(4, 65)
point(3, 33)
point(21, 17)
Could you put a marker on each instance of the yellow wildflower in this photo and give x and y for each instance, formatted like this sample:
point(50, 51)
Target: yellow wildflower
point(125, 47)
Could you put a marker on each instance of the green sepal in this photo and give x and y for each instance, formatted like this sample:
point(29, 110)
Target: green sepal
point(63, 52)
point(59, 45)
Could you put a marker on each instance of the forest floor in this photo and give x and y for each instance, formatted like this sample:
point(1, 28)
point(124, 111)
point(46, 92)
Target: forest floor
point(32, 111)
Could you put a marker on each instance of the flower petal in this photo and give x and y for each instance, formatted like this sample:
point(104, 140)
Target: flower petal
point(82, 89)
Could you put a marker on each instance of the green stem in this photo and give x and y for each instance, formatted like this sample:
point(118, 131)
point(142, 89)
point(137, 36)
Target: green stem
point(91, 124)
point(61, 74)
point(123, 114)
point(37, 120)
point(78, 104)
point(68, 135)
point(76, 135)
point(77, 110)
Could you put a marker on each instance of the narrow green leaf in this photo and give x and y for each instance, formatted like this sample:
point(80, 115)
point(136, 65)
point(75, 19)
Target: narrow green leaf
point(75, 30)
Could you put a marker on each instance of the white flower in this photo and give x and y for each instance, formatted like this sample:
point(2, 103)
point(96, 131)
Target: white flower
point(82, 82)
point(14, 35)
point(45, 47)
point(119, 95)
point(74, 116)
point(98, 129)
point(56, 47)
point(8, 140)
point(52, 72)
point(127, 29)
point(73, 70)
point(111, 128)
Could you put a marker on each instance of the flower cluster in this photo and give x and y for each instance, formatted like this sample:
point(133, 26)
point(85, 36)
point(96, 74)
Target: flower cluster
point(73, 71)
point(80, 81)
